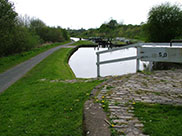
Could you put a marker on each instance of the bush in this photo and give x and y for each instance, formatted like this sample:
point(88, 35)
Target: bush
point(65, 35)
point(52, 34)
point(19, 40)
point(24, 40)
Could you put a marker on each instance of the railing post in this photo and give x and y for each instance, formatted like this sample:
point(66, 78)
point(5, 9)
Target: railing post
point(98, 65)
point(150, 65)
point(138, 60)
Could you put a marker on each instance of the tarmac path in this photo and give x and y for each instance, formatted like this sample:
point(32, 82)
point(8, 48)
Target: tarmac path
point(13, 74)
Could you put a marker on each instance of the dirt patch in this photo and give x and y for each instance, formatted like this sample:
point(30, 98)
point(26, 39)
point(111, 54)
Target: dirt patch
point(94, 120)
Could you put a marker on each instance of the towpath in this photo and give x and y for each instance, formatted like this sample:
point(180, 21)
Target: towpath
point(12, 75)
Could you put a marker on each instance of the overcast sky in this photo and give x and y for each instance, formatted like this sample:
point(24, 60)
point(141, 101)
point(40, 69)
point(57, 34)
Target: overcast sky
point(87, 13)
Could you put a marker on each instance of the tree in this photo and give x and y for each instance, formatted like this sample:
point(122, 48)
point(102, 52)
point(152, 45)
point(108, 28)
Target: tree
point(39, 28)
point(164, 23)
point(112, 24)
point(65, 34)
point(36, 24)
point(7, 15)
point(14, 36)
point(7, 24)
point(108, 30)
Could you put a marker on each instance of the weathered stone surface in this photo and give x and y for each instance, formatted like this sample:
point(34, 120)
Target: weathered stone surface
point(163, 87)
point(114, 107)
point(120, 121)
point(139, 125)
point(125, 117)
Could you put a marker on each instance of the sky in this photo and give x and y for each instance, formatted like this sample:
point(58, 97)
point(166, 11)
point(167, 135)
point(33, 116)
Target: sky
point(76, 14)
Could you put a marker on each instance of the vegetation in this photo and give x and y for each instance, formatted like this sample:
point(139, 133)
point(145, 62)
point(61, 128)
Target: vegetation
point(14, 38)
point(160, 120)
point(12, 60)
point(111, 29)
point(40, 104)
point(164, 23)
point(47, 34)
point(18, 34)
point(83, 43)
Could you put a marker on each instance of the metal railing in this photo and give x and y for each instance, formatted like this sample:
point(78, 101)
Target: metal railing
point(137, 57)
point(175, 41)
point(116, 60)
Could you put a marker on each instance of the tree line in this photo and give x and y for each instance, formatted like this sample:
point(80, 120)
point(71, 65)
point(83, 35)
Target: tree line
point(109, 30)
point(18, 34)
point(164, 23)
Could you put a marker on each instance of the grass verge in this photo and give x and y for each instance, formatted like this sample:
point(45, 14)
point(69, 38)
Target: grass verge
point(83, 43)
point(160, 120)
point(10, 61)
point(40, 105)
point(118, 42)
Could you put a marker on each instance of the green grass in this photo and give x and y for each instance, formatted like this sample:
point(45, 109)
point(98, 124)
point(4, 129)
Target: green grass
point(10, 61)
point(32, 107)
point(118, 42)
point(160, 120)
point(109, 87)
point(83, 43)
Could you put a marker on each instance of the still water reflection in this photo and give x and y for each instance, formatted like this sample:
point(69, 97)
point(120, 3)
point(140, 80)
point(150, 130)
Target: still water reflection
point(83, 62)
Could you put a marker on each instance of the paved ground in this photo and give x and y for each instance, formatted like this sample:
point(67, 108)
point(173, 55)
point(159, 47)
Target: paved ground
point(12, 75)
point(163, 87)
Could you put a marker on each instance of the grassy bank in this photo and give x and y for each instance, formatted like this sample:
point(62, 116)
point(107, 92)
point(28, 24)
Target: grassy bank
point(160, 120)
point(83, 43)
point(10, 61)
point(41, 105)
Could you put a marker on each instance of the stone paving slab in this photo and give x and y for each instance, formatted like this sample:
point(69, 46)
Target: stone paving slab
point(162, 87)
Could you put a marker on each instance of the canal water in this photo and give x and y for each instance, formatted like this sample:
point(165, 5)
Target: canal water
point(83, 62)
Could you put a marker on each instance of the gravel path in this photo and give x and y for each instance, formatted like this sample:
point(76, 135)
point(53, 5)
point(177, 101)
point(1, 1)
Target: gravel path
point(162, 87)
point(12, 75)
